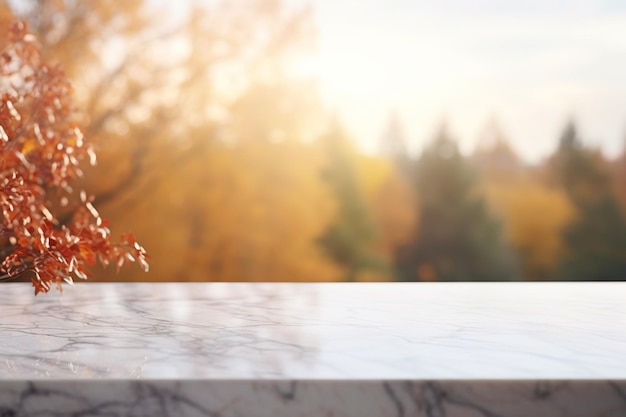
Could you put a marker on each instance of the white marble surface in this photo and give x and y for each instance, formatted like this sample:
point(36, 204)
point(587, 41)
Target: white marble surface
point(283, 350)
point(395, 331)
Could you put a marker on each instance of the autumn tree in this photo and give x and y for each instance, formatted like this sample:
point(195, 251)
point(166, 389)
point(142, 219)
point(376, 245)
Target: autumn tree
point(516, 194)
point(458, 238)
point(395, 213)
point(618, 173)
point(390, 194)
point(595, 240)
point(494, 156)
point(393, 144)
point(106, 49)
point(214, 97)
point(41, 150)
point(351, 237)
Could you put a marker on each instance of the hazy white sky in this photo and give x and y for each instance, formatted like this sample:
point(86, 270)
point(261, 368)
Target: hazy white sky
point(531, 64)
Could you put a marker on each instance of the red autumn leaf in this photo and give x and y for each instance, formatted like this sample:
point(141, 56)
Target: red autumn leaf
point(41, 150)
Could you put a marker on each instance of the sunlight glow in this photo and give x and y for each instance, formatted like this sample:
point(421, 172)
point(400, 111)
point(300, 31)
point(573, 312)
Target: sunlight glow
point(530, 66)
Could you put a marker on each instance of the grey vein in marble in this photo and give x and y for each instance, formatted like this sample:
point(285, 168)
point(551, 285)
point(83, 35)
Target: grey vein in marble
point(268, 398)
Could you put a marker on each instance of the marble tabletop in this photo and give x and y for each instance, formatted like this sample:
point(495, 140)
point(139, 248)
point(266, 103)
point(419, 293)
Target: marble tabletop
point(307, 331)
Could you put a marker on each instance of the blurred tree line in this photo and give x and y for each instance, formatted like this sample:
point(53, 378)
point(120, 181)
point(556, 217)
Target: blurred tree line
point(216, 151)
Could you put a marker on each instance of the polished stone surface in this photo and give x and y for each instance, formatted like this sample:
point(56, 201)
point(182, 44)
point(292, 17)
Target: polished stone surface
point(315, 331)
point(288, 349)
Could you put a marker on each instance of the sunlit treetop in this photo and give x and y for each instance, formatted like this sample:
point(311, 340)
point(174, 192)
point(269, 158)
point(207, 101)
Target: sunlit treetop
point(41, 150)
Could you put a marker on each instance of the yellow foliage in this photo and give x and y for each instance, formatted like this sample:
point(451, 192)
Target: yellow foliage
point(534, 215)
point(372, 173)
point(201, 154)
point(5, 13)
point(396, 212)
point(392, 203)
point(250, 212)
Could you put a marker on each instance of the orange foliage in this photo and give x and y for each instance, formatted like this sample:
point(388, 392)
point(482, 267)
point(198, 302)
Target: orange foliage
point(203, 153)
point(534, 215)
point(41, 150)
point(396, 212)
point(249, 212)
point(394, 207)
point(210, 155)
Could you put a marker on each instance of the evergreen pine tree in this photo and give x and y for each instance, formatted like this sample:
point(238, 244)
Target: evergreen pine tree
point(457, 240)
point(595, 241)
point(350, 239)
point(393, 143)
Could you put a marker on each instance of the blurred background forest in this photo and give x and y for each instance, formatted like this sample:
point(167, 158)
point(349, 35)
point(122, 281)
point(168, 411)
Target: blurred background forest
point(216, 150)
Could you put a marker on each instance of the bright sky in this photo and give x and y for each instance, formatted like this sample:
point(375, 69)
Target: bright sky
point(531, 64)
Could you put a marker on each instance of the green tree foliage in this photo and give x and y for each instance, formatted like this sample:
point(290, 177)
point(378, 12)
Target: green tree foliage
point(458, 239)
point(516, 193)
point(595, 240)
point(350, 240)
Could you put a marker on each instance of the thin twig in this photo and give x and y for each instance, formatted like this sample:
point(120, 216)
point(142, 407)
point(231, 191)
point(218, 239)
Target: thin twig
point(6, 277)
